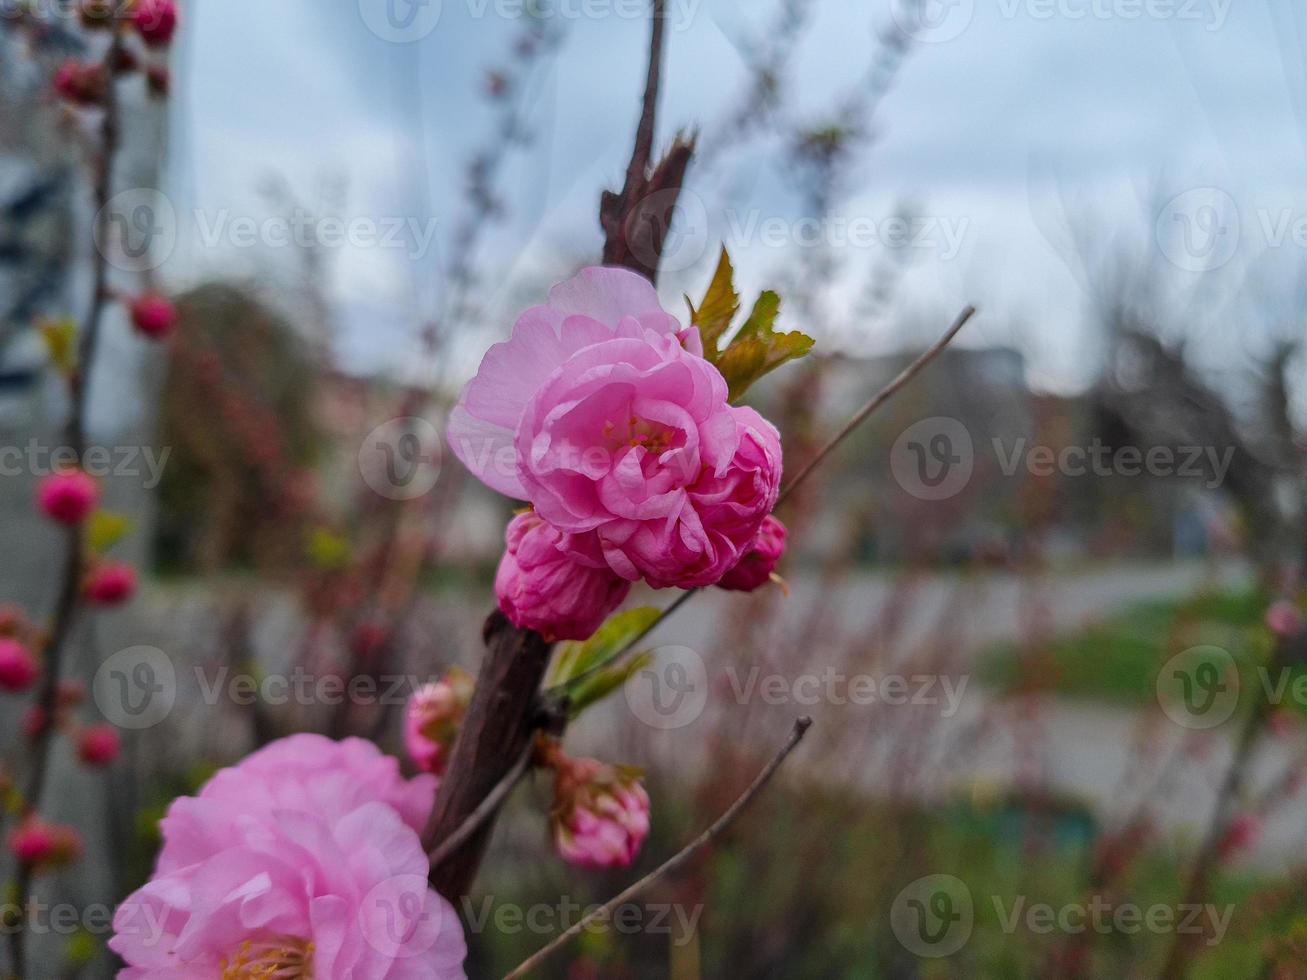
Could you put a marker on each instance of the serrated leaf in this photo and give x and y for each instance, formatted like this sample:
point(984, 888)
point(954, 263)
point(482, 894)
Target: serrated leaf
point(327, 550)
point(762, 321)
point(574, 659)
point(105, 529)
point(60, 338)
point(745, 361)
point(718, 309)
point(594, 688)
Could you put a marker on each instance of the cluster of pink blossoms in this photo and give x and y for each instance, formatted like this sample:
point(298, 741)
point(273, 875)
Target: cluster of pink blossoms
point(302, 861)
point(603, 414)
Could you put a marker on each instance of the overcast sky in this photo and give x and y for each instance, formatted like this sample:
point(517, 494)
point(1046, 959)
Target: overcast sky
point(1010, 122)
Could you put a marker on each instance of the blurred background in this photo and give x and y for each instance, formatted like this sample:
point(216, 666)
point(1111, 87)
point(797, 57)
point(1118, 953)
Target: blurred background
point(1024, 604)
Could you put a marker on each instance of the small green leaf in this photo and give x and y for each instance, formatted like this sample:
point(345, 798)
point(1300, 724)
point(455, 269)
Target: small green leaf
point(745, 361)
point(105, 529)
point(762, 321)
point(60, 338)
point(593, 689)
point(328, 550)
point(574, 659)
point(718, 309)
point(81, 948)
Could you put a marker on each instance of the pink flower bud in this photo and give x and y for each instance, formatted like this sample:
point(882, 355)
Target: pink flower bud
point(154, 316)
point(98, 745)
point(18, 668)
point(81, 84)
point(68, 496)
point(111, 583)
point(158, 80)
point(155, 21)
point(758, 563)
point(434, 716)
point(600, 815)
point(1284, 620)
point(563, 595)
point(41, 845)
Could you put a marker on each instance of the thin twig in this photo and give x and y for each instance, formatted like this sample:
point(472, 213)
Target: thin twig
point(485, 809)
point(71, 573)
point(879, 399)
point(864, 413)
point(715, 830)
point(638, 169)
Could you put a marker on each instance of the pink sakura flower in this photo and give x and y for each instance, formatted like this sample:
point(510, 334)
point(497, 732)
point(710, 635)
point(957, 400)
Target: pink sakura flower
point(561, 594)
point(1284, 619)
point(18, 668)
point(111, 583)
point(155, 21)
point(601, 813)
point(756, 567)
point(99, 745)
point(154, 316)
point(433, 718)
point(68, 496)
point(602, 412)
point(41, 845)
point(296, 863)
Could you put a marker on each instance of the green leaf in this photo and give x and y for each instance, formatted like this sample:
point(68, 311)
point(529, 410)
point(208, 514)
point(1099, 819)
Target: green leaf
point(745, 361)
point(105, 529)
point(718, 309)
point(593, 689)
point(327, 550)
point(60, 338)
point(574, 659)
point(762, 321)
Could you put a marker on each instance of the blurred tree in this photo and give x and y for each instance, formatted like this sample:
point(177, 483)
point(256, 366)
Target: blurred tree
point(237, 413)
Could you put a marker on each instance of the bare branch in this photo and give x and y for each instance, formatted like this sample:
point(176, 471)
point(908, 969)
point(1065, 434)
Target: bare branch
point(715, 830)
point(485, 809)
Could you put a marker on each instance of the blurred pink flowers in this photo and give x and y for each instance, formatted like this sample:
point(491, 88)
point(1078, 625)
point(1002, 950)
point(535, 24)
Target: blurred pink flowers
point(541, 586)
point(602, 412)
point(1284, 619)
point(154, 316)
point(99, 745)
point(155, 21)
point(433, 717)
point(68, 496)
point(601, 812)
point(41, 845)
point(18, 668)
point(111, 583)
point(301, 861)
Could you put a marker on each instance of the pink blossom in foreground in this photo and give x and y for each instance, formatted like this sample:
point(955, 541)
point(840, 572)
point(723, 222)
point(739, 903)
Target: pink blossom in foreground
point(99, 745)
point(756, 567)
point(601, 411)
point(432, 720)
point(601, 813)
point(155, 21)
point(41, 845)
point(296, 863)
point(154, 316)
point(68, 496)
point(111, 583)
point(561, 594)
point(1284, 619)
point(18, 668)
